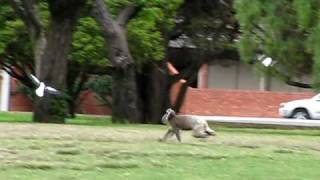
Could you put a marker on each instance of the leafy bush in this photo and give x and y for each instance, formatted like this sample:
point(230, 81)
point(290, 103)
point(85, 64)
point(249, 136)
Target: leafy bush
point(102, 86)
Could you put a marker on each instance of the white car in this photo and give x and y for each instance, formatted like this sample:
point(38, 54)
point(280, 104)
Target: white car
point(301, 109)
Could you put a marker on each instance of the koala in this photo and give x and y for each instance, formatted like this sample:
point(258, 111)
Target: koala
point(199, 127)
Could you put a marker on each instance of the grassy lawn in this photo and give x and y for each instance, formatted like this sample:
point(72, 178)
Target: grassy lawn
point(106, 151)
point(26, 117)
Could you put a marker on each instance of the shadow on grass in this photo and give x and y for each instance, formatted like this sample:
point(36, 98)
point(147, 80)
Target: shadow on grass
point(118, 165)
point(68, 152)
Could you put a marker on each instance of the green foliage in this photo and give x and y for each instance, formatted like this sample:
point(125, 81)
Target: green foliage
point(145, 40)
point(102, 86)
point(286, 31)
point(145, 32)
point(304, 13)
point(313, 45)
point(115, 6)
point(26, 91)
point(12, 34)
point(88, 45)
point(15, 44)
point(210, 26)
point(58, 108)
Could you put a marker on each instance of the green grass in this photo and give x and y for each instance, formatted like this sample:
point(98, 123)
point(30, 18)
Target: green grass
point(15, 117)
point(79, 120)
point(106, 151)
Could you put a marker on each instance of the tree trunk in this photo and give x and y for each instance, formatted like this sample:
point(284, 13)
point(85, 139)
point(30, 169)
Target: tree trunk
point(53, 70)
point(125, 100)
point(50, 50)
point(151, 83)
point(124, 96)
point(39, 48)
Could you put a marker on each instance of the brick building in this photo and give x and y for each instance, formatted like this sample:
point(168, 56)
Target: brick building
point(235, 89)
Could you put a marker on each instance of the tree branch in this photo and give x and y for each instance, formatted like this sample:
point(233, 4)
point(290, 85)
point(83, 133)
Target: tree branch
point(103, 17)
point(298, 84)
point(287, 79)
point(26, 11)
point(126, 14)
point(98, 70)
point(114, 34)
point(18, 73)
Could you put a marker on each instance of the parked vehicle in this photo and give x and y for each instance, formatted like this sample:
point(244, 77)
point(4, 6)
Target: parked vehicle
point(301, 109)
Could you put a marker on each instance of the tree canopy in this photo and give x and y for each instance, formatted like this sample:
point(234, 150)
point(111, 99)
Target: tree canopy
point(145, 31)
point(285, 30)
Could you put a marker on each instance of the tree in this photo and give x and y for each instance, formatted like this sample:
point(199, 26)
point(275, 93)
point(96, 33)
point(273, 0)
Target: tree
point(148, 39)
point(50, 49)
point(287, 31)
point(15, 57)
point(205, 30)
point(126, 99)
point(145, 36)
point(87, 55)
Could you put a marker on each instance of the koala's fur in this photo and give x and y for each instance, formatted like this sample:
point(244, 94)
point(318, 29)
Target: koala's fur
point(199, 127)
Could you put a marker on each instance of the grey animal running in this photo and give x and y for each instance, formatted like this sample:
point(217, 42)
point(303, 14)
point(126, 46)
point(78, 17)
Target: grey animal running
point(199, 127)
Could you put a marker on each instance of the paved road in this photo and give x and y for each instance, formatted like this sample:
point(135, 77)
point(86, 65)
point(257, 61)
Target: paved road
point(262, 121)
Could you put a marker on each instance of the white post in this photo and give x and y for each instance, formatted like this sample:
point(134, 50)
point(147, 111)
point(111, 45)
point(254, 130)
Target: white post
point(5, 91)
point(265, 83)
point(262, 84)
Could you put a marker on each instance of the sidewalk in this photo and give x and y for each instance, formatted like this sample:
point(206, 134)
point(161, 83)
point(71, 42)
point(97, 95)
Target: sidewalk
point(262, 121)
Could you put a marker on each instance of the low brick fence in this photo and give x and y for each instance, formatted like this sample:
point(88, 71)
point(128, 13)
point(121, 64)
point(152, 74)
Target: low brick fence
point(20, 102)
point(88, 105)
point(237, 102)
point(216, 102)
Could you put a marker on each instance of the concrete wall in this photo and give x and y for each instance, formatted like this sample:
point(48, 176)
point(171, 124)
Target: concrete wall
point(238, 75)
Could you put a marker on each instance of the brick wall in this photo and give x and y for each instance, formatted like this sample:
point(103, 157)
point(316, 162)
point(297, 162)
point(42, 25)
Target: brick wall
point(198, 102)
point(88, 105)
point(237, 102)
point(19, 102)
point(216, 102)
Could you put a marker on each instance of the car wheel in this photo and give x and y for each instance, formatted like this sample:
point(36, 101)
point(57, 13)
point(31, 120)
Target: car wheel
point(300, 114)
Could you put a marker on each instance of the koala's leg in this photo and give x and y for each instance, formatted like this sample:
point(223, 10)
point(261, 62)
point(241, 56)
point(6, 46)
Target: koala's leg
point(177, 132)
point(198, 131)
point(208, 130)
point(168, 134)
